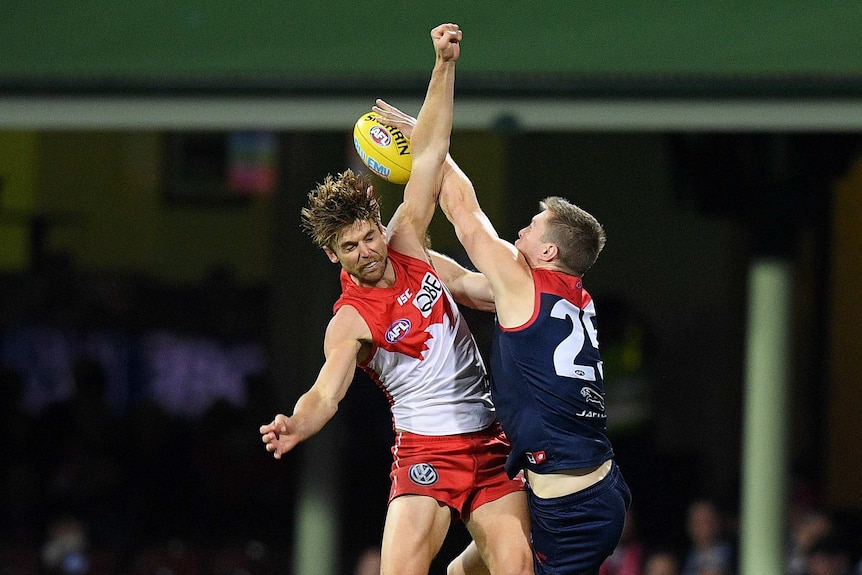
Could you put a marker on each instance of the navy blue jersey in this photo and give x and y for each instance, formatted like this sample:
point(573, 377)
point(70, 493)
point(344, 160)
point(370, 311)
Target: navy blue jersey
point(546, 381)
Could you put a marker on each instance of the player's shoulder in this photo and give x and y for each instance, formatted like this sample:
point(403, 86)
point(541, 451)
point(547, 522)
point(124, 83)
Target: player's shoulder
point(347, 323)
point(406, 249)
point(515, 277)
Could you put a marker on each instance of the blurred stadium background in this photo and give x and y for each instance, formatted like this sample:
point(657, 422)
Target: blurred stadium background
point(158, 301)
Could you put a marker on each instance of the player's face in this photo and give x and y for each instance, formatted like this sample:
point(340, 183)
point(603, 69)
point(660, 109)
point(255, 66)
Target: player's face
point(361, 250)
point(529, 240)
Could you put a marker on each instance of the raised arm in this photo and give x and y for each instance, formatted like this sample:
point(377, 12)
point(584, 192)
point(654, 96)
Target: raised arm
point(498, 260)
point(429, 147)
point(458, 200)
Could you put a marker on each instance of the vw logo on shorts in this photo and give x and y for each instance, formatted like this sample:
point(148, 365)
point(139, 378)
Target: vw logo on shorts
point(423, 474)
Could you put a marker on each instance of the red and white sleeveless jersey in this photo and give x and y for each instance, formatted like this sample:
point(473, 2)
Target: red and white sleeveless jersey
point(424, 356)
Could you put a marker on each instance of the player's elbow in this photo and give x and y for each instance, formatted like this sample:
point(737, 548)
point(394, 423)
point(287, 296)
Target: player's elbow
point(429, 146)
point(453, 208)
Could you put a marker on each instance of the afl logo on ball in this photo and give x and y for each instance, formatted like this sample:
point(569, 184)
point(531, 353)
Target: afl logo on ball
point(423, 474)
point(380, 136)
point(398, 329)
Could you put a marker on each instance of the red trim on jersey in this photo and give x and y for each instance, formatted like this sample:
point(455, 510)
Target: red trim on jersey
point(554, 282)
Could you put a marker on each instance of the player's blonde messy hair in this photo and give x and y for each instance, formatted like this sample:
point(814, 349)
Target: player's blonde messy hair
point(579, 237)
point(339, 202)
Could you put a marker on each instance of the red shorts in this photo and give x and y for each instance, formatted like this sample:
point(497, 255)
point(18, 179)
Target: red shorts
point(462, 471)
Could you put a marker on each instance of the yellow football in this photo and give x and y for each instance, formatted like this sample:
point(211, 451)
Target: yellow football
point(385, 150)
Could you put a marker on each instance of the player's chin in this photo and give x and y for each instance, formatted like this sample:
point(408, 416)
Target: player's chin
point(372, 273)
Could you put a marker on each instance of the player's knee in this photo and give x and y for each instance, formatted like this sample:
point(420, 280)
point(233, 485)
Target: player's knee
point(525, 568)
point(512, 564)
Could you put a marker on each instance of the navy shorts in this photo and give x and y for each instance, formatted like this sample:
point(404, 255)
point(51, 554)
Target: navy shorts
point(574, 534)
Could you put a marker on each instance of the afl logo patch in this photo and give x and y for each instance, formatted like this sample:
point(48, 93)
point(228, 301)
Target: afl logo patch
point(423, 474)
point(380, 136)
point(397, 330)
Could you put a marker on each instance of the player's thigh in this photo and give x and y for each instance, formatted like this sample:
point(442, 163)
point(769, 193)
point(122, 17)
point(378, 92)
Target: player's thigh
point(414, 531)
point(501, 530)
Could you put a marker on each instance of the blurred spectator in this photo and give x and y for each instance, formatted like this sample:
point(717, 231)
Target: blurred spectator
point(64, 551)
point(155, 462)
point(20, 489)
point(709, 552)
point(807, 528)
point(83, 473)
point(828, 555)
point(368, 562)
point(627, 558)
point(661, 562)
point(172, 557)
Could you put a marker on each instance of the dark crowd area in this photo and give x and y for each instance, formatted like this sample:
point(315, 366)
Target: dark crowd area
point(128, 445)
point(128, 428)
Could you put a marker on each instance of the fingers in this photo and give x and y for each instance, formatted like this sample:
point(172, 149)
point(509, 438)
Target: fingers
point(447, 38)
point(272, 427)
point(271, 434)
point(453, 31)
point(386, 109)
point(392, 116)
point(270, 440)
point(452, 34)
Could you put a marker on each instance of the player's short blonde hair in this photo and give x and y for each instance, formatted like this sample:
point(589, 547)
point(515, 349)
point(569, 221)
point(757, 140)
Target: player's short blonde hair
point(579, 237)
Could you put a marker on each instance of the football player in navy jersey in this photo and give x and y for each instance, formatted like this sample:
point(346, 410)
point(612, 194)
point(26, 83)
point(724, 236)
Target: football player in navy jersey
point(546, 371)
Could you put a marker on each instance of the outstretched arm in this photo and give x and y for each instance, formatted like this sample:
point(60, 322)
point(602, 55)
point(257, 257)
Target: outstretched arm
point(429, 146)
point(320, 403)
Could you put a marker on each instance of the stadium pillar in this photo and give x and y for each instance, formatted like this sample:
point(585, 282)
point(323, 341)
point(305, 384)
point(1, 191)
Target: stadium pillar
point(765, 416)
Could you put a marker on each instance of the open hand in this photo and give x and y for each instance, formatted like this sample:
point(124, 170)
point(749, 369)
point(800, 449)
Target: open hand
point(392, 116)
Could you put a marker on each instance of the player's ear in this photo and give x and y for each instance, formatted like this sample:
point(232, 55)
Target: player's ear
point(550, 252)
point(331, 255)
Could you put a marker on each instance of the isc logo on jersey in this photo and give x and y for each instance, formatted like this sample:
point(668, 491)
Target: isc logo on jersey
point(428, 294)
